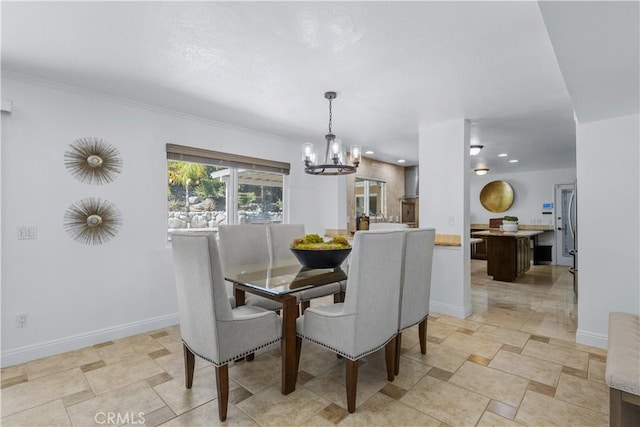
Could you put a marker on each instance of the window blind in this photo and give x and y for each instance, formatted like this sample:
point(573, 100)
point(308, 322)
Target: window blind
point(217, 158)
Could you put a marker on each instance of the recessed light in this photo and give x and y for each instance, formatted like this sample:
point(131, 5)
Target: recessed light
point(475, 149)
point(502, 155)
point(513, 161)
point(481, 171)
point(401, 161)
point(368, 152)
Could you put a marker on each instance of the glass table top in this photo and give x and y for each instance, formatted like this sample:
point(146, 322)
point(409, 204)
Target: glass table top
point(284, 279)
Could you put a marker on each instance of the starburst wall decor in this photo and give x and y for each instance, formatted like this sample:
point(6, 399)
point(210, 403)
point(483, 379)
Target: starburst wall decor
point(93, 160)
point(92, 221)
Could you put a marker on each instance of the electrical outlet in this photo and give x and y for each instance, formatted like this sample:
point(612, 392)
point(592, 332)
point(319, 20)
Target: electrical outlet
point(22, 320)
point(27, 232)
point(451, 221)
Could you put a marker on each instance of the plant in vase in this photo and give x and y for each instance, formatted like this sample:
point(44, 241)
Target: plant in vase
point(509, 223)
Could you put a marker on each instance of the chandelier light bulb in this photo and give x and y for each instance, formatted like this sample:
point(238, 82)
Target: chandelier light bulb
point(475, 149)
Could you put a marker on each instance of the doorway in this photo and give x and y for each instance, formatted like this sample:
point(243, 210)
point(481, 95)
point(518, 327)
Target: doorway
point(564, 235)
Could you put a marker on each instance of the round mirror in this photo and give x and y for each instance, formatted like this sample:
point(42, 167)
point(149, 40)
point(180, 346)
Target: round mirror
point(497, 196)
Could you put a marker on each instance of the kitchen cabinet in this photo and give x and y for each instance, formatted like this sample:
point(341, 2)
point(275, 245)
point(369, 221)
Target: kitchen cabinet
point(479, 250)
point(508, 253)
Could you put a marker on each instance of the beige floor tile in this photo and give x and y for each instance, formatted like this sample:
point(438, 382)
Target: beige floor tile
point(131, 402)
point(575, 346)
point(489, 419)
point(128, 349)
point(119, 374)
point(446, 402)
point(381, 410)
point(439, 329)
point(540, 410)
point(331, 385)
point(505, 318)
point(550, 328)
point(502, 335)
point(271, 408)
point(49, 414)
point(458, 323)
point(42, 390)
point(561, 355)
point(207, 415)
point(264, 371)
point(527, 367)
point(315, 359)
point(583, 393)
point(490, 382)
point(446, 358)
point(159, 416)
point(181, 399)
point(411, 372)
point(13, 371)
point(596, 371)
point(62, 362)
point(173, 363)
point(171, 342)
point(329, 416)
point(472, 344)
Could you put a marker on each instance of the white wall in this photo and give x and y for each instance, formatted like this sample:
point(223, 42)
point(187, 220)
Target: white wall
point(78, 295)
point(531, 189)
point(443, 151)
point(608, 219)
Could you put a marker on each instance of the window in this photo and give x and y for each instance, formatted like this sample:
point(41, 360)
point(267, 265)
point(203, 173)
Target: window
point(370, 197)
point(209, 188)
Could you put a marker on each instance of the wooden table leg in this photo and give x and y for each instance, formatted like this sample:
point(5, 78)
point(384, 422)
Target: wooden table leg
point(289, 370)
point(239, 296)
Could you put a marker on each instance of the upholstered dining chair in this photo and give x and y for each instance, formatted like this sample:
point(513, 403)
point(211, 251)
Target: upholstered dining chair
point(415, 286)
point(280, 238)
point(245, 244)
point(209, 327)
point(368, 318)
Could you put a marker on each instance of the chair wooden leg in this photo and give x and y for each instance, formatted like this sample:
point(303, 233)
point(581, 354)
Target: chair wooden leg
point(222, 384)
point(338, 297)
point(397, 359)
point(422, 333)
point(304, 305)
point(189, 366)
point(390, 358)
point(615, 407)
point(352, 384)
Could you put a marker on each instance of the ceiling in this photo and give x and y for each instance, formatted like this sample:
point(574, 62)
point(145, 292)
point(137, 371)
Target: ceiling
point(266, 66)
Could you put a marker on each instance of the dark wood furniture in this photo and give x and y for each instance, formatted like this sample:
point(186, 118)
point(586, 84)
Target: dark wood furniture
point(479, 250)
point(508, 253)
point(280, 284)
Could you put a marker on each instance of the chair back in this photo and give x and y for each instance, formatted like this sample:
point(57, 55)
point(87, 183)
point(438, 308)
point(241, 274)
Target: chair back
point(374, 287)
point(280, 237)
point(243, 244)
point(387, 225)
point(202, 297)
point(416, 276)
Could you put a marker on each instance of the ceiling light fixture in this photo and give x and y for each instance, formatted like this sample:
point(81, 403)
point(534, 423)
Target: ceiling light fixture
point(475, 149)
point(481, 171)
point(368, 152)
point(402, 161)
point(502, 155)
point(513, 161)
point(334, 159)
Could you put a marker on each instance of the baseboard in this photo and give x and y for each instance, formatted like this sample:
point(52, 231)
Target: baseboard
point(450, 310)
point(591, 338)
point(74, 342)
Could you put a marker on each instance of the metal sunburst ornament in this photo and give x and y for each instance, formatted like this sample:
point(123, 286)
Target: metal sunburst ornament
point(92, 221)
point(93, 161)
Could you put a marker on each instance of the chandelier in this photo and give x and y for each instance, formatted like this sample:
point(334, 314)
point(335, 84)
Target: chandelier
point(336, 161)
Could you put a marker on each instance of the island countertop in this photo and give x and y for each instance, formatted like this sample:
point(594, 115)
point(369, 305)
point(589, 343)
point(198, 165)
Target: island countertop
point(498, 233)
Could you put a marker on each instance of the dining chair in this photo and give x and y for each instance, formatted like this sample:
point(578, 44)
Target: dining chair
point(415, 286)
point(245, 244)
point(280, 238)
point(367, 320)
point(210, 328)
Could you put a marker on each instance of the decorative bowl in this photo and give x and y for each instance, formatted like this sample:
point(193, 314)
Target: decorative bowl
point(321, 258)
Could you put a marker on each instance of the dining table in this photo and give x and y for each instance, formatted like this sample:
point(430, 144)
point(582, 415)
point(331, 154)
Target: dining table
point(280, 283)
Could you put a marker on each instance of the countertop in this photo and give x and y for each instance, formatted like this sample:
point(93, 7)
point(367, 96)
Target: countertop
point(498, 233)
point(521, 227)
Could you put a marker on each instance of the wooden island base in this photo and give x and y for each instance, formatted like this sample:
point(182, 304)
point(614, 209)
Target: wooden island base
point(508, 253)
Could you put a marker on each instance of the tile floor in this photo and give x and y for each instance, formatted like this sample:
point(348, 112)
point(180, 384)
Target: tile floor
point(513, 362)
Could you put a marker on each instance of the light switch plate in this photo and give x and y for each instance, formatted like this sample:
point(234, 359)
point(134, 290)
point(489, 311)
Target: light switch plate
point(27, 232)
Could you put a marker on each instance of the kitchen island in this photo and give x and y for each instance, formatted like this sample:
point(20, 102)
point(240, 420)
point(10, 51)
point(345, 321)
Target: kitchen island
point(508, 253)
